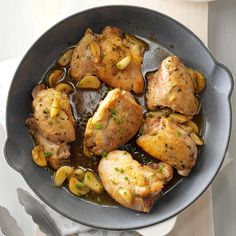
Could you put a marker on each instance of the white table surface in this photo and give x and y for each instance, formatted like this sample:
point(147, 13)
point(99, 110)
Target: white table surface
point(35, 17)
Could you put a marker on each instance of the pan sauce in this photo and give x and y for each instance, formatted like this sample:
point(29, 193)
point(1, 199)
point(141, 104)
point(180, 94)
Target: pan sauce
point(84, 103)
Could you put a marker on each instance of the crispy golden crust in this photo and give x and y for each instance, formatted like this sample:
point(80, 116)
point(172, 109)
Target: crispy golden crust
point(131, 184)
point(169, 142)
point(116, 120)
point(98, 54)
point(172, 86)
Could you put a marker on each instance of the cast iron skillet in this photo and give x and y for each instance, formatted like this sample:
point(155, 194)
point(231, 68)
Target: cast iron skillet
point(173, 36)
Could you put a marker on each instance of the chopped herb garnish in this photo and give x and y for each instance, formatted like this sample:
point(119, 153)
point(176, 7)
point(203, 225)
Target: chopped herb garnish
point(104, 154)
point(47, 154)
point(178, 133)
point(118, 120)
point(160, 169)
point(99, 199)
point(113, 111)
point(99, 126)
point(102, 55)
point(114, 182)
point(46, 111)
point(80, 185)
point(119, 170)
point(126, 178)
point(121, 130)
point(57, 121)
point(141, 131)
point(150, 115)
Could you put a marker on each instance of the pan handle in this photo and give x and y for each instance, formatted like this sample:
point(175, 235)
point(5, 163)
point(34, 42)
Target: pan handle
point(13, 155)
point(224, 82)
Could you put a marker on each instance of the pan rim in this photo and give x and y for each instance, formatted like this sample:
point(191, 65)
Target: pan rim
point(215, 62)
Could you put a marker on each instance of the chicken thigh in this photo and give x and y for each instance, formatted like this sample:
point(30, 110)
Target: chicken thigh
point(99, 55)
point(60, 128)
point(52, 131)
point(172, 86)
point(116, 120)
point(131, 184)
point(170, 142)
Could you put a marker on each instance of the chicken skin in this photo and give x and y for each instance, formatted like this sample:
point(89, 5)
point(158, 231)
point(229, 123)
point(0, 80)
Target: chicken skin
point(170, 142)
point(131, 184)
point(58, 154)
point(98, 54)
point(53, 133)
point(172, 86)
point(57, 129)
point(116, 120)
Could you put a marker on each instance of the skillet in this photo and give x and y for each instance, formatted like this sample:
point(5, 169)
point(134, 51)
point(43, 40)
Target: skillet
point(150, 25)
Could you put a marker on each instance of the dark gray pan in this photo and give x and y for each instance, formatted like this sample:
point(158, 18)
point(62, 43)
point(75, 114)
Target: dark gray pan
point(148, 24)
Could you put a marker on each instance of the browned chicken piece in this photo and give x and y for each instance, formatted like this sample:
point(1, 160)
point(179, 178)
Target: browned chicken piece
point(57, 154)
point(131, 184)
point(60, 128)
point(116, 120)
point(37, 89)
point(53, 133)
point(172, 86)
point(98, 54)
point(170, 142)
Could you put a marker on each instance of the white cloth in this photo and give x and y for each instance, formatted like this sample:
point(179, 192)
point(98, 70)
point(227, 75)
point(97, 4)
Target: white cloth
point(7, 69)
